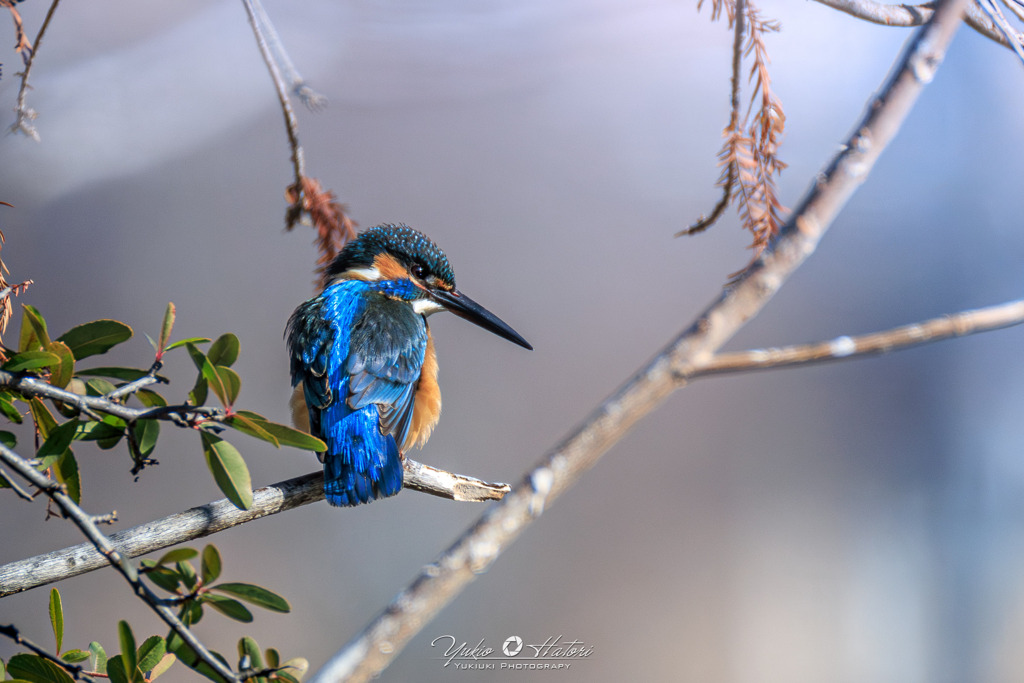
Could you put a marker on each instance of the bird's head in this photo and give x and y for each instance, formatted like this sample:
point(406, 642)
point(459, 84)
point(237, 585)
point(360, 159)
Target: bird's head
point(398, 252)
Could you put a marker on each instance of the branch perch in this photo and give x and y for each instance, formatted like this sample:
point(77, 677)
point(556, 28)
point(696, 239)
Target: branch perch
point(383, 638)
point(217, 516)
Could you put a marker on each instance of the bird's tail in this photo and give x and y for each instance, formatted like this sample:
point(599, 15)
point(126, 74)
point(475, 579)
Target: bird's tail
point(360, 464)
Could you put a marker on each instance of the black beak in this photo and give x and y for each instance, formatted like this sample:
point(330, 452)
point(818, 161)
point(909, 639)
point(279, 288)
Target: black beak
point(464, 307)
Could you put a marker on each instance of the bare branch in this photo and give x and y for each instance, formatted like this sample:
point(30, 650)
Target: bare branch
point(296, 83)
point(26, 115)
point(217, 516)
point(9, 481)
point(457, 487)
point(141, 383)
point(103, 545)
point(1014, 38)
point(257, 16)
point(916, 15)
point(438, 584)
point(845, 348)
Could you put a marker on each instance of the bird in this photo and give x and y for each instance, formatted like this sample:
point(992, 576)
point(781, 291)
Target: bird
point(362, 359)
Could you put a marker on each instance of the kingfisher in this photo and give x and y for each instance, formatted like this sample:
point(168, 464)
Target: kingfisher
point(362, 357)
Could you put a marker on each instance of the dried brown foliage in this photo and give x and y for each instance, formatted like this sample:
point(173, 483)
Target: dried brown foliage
point(749, 155)
point(23, 45)
point(333, 226)
point(6, 289)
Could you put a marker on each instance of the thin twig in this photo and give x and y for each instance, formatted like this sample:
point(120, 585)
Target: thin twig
point(437, 585)
point(22, 493)
point(849, 347)
point(297, 84)
point(728, 178)
point(103, 545)
point(916, 15)
point(141, 383)
point(23, 122)
point(290, 122)
point(75, 670)
point(217, 516)
point(999, 19)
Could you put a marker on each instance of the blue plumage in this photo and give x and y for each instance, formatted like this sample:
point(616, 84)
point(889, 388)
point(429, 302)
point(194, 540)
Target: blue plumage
point(362, 353)
point(358, 356)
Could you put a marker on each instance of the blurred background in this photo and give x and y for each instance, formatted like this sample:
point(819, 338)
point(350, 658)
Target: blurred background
point(861, 521)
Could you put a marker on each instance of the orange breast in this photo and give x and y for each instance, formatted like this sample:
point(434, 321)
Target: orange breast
point(427, 408)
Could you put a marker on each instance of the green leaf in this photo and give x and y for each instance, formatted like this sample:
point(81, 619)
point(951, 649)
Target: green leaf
point(225, 382)
point(35, 669)
point(183, 342)
point(151, 652)
point(285, 435)
point(75, 656)
point(165, 578)
point(146, 432)
point(30, 360)
point(8, 439)
point(97, 658)
point(96, 337)
point(57, 617)
point(210, 565)
point(272, 657)
point(123, 374)
point(248, 647)
point(95, 431)
point(150, 398)
point(42, 417)
point(193, 612)
point(162, 666)
point(67, 473)
point(188, 574)
point(165, 329)
point(224, 351)
point(61, 373)
point(33, 329)
point(57, 439)
point(190, 659)
point(127, 639)
point(98, 387)
point(177, 555)
point(229, 470)
point(255, 595)
point(251, 427)
point(116, 670)
point(198, 393)
point(228, 607)
point(8, 409)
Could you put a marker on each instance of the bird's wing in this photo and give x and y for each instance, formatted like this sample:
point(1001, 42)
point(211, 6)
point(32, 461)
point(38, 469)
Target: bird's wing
point(311, 341)
point(387, 346)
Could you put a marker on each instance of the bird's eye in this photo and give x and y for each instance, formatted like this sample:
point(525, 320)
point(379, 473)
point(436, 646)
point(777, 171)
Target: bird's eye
point(418, 270)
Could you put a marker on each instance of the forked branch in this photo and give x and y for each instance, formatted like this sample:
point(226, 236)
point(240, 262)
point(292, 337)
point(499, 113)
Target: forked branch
point(384, 637)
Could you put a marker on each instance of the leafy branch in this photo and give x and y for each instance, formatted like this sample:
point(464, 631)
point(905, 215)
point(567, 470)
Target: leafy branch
point(57, 493)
